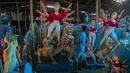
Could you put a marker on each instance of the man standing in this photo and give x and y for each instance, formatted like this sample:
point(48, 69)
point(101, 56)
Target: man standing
point(80, 47)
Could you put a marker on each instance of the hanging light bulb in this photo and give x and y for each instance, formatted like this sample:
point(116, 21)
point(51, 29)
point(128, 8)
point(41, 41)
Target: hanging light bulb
point(119, 1)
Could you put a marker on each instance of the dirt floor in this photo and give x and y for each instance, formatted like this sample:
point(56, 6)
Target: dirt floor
point(94, 70)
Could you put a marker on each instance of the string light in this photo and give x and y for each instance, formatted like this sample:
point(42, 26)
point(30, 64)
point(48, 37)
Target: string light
point(49, 6)
point(119, 1)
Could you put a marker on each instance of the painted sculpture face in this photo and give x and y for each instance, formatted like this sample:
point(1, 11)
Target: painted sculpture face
point(56, 6)
point(114, 15)
point(44, 41)
point(116, 57)
point(92, 22)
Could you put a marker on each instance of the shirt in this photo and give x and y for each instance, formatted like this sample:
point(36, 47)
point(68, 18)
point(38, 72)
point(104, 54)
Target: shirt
point(56, 17)
point(63, 14)
point(111, 23)
point(59, 16)
point(50, 16)
point(81, 45)
point(92, 29)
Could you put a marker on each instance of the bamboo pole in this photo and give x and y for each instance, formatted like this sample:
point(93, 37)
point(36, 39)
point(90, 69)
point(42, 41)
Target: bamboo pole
point(18, 17)
point(40, 28)
point(99, 10)
point(33, 59)
point(25, 20)
point(78, 13)
point(77, 33)
point(71, 8)
point(97, 6)
point(25, 17)
point(99, 1)
point(31, 12)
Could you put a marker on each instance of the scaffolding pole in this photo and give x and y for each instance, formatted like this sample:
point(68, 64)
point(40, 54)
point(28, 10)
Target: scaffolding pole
point(32, 49)
point(97, 7)
point(97, 14)
point(18, 17)
point(99, 1)
point(25, 17)
point(77, 12)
